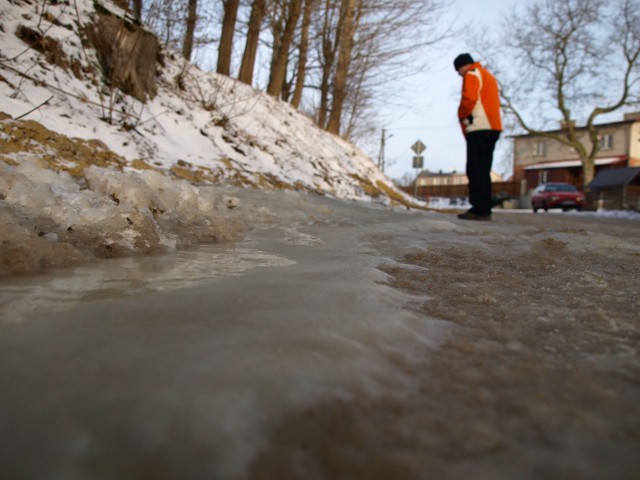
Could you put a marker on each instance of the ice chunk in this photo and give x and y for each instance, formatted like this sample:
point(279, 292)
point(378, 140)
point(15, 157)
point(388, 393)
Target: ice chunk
point(123, 188)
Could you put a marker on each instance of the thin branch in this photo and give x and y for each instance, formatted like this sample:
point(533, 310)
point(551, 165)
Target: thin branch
point(34, 108)
point(53, 87)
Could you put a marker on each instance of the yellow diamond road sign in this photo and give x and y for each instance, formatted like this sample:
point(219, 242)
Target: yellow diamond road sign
point(418, 147)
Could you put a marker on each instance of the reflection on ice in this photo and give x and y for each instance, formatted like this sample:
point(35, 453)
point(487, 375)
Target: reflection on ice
point(21, 297)
point(295, 237)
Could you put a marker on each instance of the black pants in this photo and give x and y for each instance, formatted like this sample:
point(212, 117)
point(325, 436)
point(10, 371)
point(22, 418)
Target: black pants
point(480, 146)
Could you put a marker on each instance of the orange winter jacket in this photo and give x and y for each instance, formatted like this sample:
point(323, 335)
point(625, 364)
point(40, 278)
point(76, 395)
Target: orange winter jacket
point(480, 103)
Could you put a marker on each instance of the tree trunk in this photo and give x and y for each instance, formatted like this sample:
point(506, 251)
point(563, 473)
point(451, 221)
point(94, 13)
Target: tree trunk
point(281, 55)
point(328, 57)
point(346, 34)
point(356, 105)
point(187, 46)
point(226, 37)
point(588, 171)
point(137, 10)
point(285, 93)
point(302, 58)
point(251, 45)
point(277, 28)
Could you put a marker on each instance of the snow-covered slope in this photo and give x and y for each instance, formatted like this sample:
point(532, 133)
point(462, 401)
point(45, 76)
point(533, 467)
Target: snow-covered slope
point(210, 128)
point(88, 171)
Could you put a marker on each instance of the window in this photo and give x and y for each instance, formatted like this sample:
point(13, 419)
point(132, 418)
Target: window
point(561, 188)
point(605, 142)
point(539, 148)
point(543, 176)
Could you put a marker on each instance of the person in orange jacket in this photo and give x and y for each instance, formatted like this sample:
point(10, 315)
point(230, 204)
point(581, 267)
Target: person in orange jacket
point(480, 119)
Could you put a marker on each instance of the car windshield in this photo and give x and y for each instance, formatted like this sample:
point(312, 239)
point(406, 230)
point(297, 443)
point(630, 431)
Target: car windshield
point(561, 188)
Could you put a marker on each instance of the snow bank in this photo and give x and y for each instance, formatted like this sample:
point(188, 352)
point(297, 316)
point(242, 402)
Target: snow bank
point(205, 127)
point(132, 179)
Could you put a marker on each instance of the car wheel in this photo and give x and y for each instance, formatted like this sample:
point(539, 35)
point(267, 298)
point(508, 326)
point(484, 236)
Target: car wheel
point(535, 209)
point(544, 205)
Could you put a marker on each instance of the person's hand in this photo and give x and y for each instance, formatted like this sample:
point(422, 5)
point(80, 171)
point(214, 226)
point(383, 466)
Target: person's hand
point(463, 126)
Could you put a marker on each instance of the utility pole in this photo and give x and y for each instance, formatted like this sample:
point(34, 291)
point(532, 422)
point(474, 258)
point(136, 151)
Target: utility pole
point(383, 142)
point(381, 154)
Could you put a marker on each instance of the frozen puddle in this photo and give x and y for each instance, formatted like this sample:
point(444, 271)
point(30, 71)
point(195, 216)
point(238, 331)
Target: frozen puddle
point(21, 297)
point(185, 363)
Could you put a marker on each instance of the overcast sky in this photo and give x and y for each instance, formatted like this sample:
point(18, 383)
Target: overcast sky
point(435, 96)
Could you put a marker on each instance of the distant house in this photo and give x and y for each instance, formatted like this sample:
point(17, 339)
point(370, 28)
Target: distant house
point(455, 185)
point(539, 160)
point(431, 179)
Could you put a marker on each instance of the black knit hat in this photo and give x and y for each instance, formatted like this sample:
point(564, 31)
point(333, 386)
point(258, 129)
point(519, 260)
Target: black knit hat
point(462, 60)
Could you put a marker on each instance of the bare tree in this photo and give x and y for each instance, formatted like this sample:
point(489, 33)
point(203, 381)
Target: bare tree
point(580, 59)
point(406, 180)
point(251, 44)
point(345, 40)
point(225, 47)
point(282, 43)
point(327, 44)
point(166, 18)
point(172, 21)
point(137, 9)
point(347, 52)
point(391, 42)
point(302, 53)
point(192, 17)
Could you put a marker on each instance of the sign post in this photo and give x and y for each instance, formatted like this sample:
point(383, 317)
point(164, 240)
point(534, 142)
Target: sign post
point(418, 162)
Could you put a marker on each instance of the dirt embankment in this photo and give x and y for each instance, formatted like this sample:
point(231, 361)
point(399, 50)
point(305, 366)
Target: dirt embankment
point(540, 377)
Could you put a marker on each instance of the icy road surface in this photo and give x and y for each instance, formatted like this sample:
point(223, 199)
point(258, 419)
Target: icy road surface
point(335, 341)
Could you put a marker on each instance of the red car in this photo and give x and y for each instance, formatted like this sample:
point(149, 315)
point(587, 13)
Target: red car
point(557, 195)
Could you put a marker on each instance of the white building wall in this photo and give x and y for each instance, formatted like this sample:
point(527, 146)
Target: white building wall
point(634, 145)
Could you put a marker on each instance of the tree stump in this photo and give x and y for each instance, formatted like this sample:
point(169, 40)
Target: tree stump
point(127, 54)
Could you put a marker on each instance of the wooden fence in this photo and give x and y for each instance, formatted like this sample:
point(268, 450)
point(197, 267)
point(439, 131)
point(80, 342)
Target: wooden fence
point(424, 192)
point(627, 198)
point(615, 198)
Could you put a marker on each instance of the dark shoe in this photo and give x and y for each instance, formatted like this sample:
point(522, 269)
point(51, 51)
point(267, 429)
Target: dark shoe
point(469, 215)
